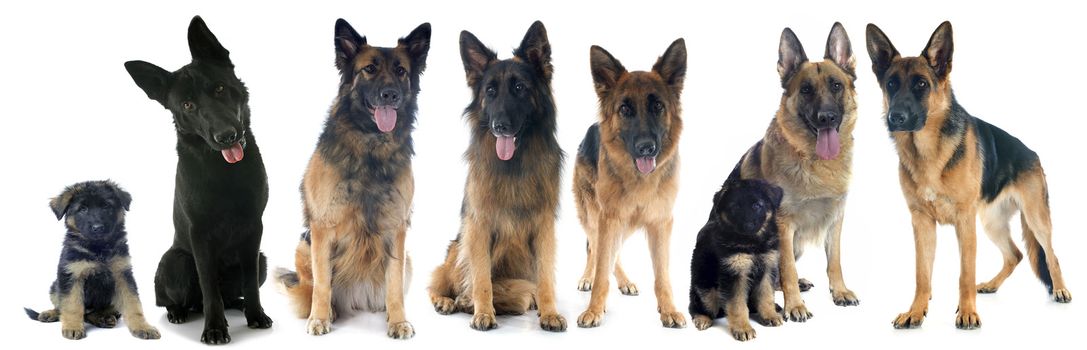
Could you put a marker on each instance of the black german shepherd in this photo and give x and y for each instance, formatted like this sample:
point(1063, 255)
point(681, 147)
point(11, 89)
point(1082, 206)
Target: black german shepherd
point(218, 198)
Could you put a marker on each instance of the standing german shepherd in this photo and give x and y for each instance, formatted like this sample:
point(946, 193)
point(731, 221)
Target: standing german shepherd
point(219, 198)
point(808, 152)
point(503, 260)
point(954, 167)
point(358, 187)
point(627, 174)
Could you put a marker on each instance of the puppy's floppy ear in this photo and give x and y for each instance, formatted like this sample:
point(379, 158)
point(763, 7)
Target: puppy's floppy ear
point(790, 55)
point(536, 50)
point(418, 45)
point(672, 66)
point(204, 46)
point(605, 68)
point(775, 193)
point(123, 196)
point(880, 50)
point(60, 203)
point(939, 49)
point(476, 57)
point(154, 81)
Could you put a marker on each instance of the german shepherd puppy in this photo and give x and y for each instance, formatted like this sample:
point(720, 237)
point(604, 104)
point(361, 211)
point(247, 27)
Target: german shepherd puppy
point(219, 198)
point(503, 260)
point(734, 257)
point(626, 174)
point(954, 167)
point(358, 187)
point(808, 152)
point(94, 278)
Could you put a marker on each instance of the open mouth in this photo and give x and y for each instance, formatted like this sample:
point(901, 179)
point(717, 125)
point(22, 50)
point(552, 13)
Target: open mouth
point(384, 117)
point(505, 145)
point(646, 165)
point(827, 143)
point(234, 153)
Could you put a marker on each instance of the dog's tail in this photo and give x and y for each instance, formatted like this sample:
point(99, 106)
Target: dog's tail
point(1036, 255)
point(33, 314)
point(297, 289)
point(514, 296)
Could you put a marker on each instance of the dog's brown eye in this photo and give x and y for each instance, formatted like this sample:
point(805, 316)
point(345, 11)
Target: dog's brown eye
point(836, 87)
point(625, 111)
point(491, 91)
point(806, 90)
point(370, 69)
point(188, 105)
point(921, 84)
point(219, 89)
point(401, 71)
point(657, 106)
point(519, 87)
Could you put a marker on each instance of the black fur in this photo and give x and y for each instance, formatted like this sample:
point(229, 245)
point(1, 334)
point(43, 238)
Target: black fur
point(215, 258)
point(1005, 157)
point(742, 222)
point(589, 149)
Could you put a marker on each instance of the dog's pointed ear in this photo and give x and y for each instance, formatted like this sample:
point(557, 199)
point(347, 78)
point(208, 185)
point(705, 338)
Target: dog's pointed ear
point(840, 50)
point(672, 66)
point(605, 68)
point(880, 50)
point(348, 44)
point(939, 49)
point(476, 57)
point(418, 45)
point(536, 50)
point(790, 55)
point(60, 203)
point(154, 81)
point(204, 46)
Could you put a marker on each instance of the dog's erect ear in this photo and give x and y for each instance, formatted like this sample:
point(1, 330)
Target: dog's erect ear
point(605, 68)
point(880, 50)
point(790, 55)
point(672, 66)
point(154, 81)
point(939, 49)
point(418, 45)
point(204, 46)
point(348, 44)
point(840, 50)
point(536, 50)
point(476, 57)
point(60, 203)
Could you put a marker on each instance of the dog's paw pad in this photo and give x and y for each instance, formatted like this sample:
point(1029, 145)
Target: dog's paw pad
point(74, 333)
point(444, 306)
point(553, 323)
point(259, 321)
point(673, 319)
point(146, 333)
point(484, 322)
point(590, 319)
point(987, 288)
point(215, 336)
point(585, 285)
point(805, 285)
point(845, 298)
point(967, 320)
point(628, 288)
point(798, 313)
point(401, 330)
point(1062, 296)
point(912, 319)
point(742, 332)
point(702, 322)
point(316, 326)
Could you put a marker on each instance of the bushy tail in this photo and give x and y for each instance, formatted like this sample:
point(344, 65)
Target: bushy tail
point(33, 314)
point(514, 296)
point(1037, 256)
point(298, 290)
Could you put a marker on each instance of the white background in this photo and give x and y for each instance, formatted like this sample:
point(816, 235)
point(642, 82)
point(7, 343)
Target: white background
point(71, 113)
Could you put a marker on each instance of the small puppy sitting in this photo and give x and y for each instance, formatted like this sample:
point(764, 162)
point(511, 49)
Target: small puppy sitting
point(735, 257)
point(94, 278)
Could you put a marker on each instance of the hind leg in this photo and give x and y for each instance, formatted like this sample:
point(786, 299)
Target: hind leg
point(585, 284)
point(1037, 220)
point(995, 221)
point(105, 318)
point(626, 287)
point(176, 285)
point(442, 289)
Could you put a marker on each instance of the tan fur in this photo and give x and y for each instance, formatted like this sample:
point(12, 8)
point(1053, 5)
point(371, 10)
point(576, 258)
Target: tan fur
point(128, 302)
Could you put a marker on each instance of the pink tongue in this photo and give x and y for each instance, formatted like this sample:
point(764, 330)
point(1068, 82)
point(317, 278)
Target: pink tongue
point(827, 144)
point(505, 147)
point(385, 117)
point(234, 153)
point(646, 164)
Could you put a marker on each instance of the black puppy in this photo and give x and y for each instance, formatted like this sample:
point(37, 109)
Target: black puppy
point(735, 257)
point(218, 198)
point(94, 278)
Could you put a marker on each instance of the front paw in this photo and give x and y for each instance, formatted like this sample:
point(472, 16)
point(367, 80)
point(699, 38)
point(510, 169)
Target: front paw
point(553, 323)
point(771, 319)
point(401, 330)
point(317, 326)
point(911, 319)
point(102, 321)
point(74, 333)
point(628, 288)
point(585, 285)
point(215, 336)
point(968, 319)
point(259, 320)
point(673, 319)
point(845, 298)
point(444, 305)
point(177, 315)
point(1062, 296)
point(146, 332)
point(484, 322)
point(797, 313)
point(590, 319)
point(702, 322)
point(742, 332)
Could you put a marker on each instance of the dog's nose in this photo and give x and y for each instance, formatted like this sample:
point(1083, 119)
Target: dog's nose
point(646, 148)
point(501, 128)
point(750, 226)
point(390, 96)
point(896, 118)
point(227, 137)
point(827, 118)
point(98, 228)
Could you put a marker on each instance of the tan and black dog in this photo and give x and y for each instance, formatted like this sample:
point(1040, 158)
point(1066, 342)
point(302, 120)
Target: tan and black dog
point(627, 174)
point(808, 152)
point(954, 167)
point(358, 187)
point(503, 260)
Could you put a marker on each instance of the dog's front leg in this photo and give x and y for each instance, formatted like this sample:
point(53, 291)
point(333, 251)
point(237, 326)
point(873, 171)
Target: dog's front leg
point(544, 242)
point(795, 309)
point(838, 291)
point(207, 269)
point(659, 236)
point(608, 243)
point(398, 325)
point(127, 300)
point(320, 315)
point(967, 315)
point(477, 250)
point(924, 240)
point(72, 308)
point(250, 257)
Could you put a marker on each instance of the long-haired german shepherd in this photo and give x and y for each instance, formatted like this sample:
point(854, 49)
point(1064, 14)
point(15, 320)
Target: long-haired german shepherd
point(219, 198)
point(808, 152)
point(358, 187)
point(503, 259)
point(954, 167)
point(627, 174)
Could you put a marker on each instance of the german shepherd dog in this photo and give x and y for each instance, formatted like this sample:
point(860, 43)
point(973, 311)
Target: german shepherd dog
point(219, 198)
point(503, 260)
point(954, 167)
point(808, 152)
point(94, 278)
point(734, 257)
point(627, 174)
point(358, 187)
